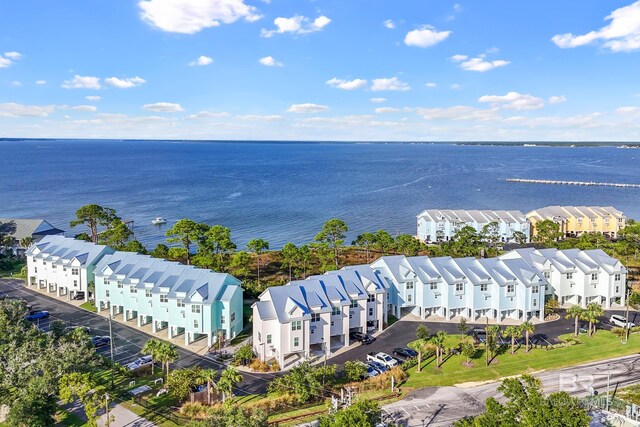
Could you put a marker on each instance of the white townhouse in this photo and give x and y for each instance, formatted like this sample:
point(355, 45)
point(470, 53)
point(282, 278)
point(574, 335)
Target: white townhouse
point(436, 225)
point(63, 265)
point(466, 287)
point(578, 277)
point(182, 299)
point(315, 316)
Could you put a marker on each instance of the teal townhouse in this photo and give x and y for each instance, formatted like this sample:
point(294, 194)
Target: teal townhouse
point(170, 296)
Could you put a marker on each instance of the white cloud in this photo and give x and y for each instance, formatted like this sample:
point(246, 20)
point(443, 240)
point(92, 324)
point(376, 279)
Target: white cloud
point(425, 36)
point(378, 100)
point(628, 110)
point(458, 112)
point(13, 55)
point(163, 107)
point(82, 82)
point(192, 16)
point(385, 110)
point(124, 83)
point(270, 61)
point(456, 86)
point(93, 98)
point(557, 99)
point(307, 108)
point(389, 24)
point(297, 24)
point(41, 82)
point(16, 83)
point(12, 109)
point(621, 35)
point(513, 101)
point(457, 8)
point(347, 84)
point(430, 85)
point(86, 108)
point(392, 83)
point(479, 63)
point(201, 61)
point(8, 58)
point(208, 115)
point(262, 117)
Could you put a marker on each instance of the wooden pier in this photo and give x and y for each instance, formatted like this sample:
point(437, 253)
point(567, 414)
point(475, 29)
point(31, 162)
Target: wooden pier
point(584, 183)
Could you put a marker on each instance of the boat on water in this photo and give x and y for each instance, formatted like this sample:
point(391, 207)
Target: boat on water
point(158, 221)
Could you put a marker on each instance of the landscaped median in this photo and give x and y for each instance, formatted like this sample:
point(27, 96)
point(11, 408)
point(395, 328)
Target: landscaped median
point(602, 345)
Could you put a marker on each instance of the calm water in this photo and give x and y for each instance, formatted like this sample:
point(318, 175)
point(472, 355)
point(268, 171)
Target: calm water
point(284, 192)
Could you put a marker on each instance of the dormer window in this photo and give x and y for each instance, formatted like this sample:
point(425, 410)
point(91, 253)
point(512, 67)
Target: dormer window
point(459, 287)
point(106, 282)
point(535, 289)
point(180, 303)
point(296, 325)
point(371, 298)
point(547, 274)
point(53, 266)
point(163, 298)
point(594, 277)
point(616, 277)
point(195, 309)
point(147, 293)
point(511, 289)
point(569, 276)
point(409, 285)
point(433, 286)
point(133, 290)
point(119, 284)
point(335, 311)
point(484, 287)
point(354, 304)
point(75, 271)
point(315, 317)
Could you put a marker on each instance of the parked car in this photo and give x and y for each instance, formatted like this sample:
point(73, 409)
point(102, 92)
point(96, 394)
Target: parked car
point(479, 334)
point(78, 296)
point(405, 352)
point(140, 362)
point(37, 315)
point(382, 358)
point(360, 337)
point(378, 366)
point(100, 341)
point(371, 371)
point(620, 321)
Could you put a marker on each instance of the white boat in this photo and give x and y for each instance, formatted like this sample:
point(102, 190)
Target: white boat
point(159, 221)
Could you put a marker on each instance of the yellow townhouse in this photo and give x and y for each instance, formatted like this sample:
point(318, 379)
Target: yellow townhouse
point(575, 220)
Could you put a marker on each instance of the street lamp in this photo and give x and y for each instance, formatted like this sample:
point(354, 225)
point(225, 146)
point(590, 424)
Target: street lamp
point(111, 347)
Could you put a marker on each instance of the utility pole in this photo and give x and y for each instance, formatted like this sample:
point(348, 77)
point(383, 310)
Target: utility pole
point(608, 386)
point(106, 409)
point(111, 347)
point(486, 341)
point(627, 329)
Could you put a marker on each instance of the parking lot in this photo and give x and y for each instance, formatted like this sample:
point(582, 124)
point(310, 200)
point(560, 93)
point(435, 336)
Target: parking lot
point(127, 341)
point(404, 331)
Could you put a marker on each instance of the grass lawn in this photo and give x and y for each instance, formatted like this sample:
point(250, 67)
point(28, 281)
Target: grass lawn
point(89, 306)
point(630, 394)
point(603, 345)
point(12, 268)
point(66, 418)
point(247, 312)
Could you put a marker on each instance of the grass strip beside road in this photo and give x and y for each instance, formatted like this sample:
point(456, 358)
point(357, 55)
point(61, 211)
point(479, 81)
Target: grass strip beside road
point(603, 345)
point(89, 306)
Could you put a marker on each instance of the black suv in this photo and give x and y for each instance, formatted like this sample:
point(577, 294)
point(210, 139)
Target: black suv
point(359, 336)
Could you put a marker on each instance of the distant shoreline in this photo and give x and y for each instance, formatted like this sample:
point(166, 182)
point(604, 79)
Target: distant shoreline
point(533, 144)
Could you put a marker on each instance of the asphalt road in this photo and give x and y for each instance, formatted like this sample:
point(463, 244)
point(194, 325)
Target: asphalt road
point(404, 331)
point(127, 341)
point(441, 406)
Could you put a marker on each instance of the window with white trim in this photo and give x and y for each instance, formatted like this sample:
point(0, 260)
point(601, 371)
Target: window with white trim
point(409, 285)
point(547, 274)
point(106, 293)
point(233, 317)
point(296, 341)
point(195, 309)
point(535, 302)
point(53, 266)
point(569, 276)
point(535, 289)
point(335, 311)
point(594, 277)
point(433, 286)
point(371, 298)
point(133, 290)
point(222, 319)
point(616, 277)
point(147, 293)
point(371, 311)
point(409, 297)
point(106, 281)
point(119, 284)
point(315, 317)
point(354, 304)
point(163, 298)
point(75, 271)
point(296, 325)
point(511, 288)
point(484, 287)
point(459, 287)
point(268, 338)
point(196, 324)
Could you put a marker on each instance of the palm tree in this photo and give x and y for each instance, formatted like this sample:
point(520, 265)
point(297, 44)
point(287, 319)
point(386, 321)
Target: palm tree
point(167, 353)
point(577, 313)
point(152, 348)
point(208, 376)
point(26, 241)
point(228, 380)
point(512, 332)
point(422, 333)
point(462, 327)
point(528, 328)
point(592, 313)
point(438, 341)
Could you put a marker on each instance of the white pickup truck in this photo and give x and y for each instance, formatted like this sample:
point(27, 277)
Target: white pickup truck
point(382, 358)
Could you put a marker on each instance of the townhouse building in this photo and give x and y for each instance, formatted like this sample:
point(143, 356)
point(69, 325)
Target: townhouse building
point(466, 287)
point(578, 277)
point(63, 265)
point(181, 299)
point(575, 220)
point(314, 317)
point(436, 225)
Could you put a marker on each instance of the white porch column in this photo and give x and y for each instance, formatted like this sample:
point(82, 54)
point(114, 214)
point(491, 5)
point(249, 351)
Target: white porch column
point(306, 333)
point(154, 328)
point(344, 318)
point(98, 306)
point(186, 337)
point(209, 339)
point(139, 320)
point(170, 332)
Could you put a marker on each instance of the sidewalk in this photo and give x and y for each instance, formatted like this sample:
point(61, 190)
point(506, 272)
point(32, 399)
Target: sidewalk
point(122, 417)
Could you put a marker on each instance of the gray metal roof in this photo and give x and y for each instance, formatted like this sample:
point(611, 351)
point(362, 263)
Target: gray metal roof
point(19, 228)
point(63, 250)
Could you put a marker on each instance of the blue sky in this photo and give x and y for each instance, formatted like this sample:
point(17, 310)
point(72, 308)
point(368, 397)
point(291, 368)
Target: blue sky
point(321, 70)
